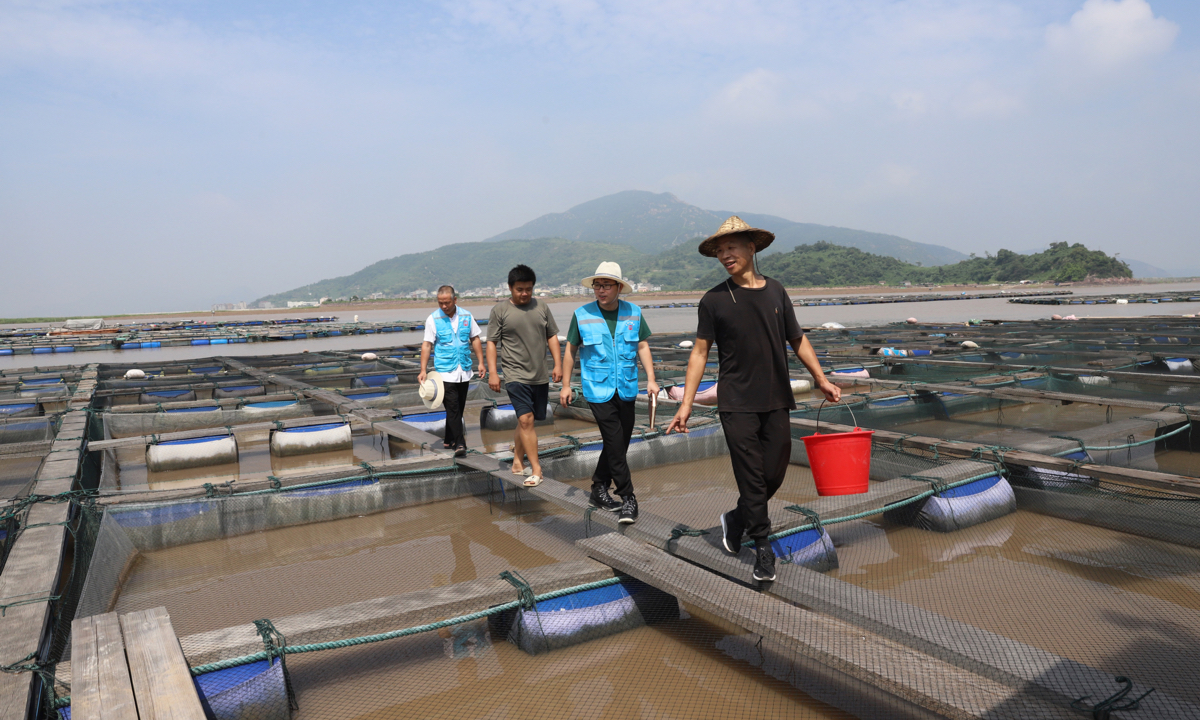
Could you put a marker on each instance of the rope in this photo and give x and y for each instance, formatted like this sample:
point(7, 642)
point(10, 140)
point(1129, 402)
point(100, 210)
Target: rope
point(367, 639)
point(524, 592)
point(28, 601)
point(678, 532)
point(1103, 709)
point(885, 508)
point(274, 644)
point(806, 512)
point(1084, 447)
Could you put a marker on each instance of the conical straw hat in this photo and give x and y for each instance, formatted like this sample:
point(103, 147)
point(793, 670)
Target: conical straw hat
point(736, 226)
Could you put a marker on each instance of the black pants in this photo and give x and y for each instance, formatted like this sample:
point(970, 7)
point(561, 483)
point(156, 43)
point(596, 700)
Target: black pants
point(760, 445)
point(615, 419)
point(455, 402)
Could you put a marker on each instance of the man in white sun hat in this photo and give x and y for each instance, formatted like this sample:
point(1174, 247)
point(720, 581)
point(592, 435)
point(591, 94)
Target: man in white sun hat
point(750, 318)
point(452, 335)
point(609, 336)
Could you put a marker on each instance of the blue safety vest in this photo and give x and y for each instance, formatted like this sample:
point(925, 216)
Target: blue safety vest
point(452, 349)
point(608, 364)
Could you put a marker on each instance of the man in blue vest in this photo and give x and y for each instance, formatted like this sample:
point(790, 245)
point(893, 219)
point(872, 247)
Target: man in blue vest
point(609, 335)
point(452, 334)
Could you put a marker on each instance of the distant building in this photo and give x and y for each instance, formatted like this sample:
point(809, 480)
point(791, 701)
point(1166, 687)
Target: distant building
point(302, 303)
point(219, 307)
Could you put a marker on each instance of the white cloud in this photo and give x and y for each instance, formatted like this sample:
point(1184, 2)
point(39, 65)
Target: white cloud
point(1108, 35)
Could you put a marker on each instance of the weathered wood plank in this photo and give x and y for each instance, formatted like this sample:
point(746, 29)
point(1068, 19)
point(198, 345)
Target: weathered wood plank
point(162, 684)
point(960, 448)
point(101, 688)
point(875, 663)
point(389, 613)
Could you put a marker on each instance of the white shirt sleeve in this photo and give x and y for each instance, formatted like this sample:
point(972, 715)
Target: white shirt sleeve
point(430, 331)
point(475, 331)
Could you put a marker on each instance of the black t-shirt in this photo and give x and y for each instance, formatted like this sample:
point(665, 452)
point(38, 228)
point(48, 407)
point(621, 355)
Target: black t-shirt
point(751, 328)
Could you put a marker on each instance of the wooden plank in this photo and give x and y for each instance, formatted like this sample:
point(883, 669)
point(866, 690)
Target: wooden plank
point(31, 573)
point(395, 428)
point(389, 613)
point(960, 448)
point(162, 684)
point(875, 663)
point(135, 440)
point(101, 688)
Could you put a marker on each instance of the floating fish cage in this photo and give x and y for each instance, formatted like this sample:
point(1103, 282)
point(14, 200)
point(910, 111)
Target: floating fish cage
point(294, 525)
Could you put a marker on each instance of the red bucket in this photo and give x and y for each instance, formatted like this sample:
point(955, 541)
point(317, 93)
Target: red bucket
point(840, 462)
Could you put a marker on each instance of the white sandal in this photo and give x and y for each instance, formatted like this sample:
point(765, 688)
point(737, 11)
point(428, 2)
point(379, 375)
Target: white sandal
point(533, 481)
point(527, 471)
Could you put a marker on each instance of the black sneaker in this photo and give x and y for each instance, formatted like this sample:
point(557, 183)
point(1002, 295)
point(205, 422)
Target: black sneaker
point(731, 532)
point(764, 562)
point(602, 499)
point(628, 511)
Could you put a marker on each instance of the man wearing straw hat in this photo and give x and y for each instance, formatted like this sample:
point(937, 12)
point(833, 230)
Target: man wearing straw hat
point(750, 317)
point(452, 335)
point(610, 336)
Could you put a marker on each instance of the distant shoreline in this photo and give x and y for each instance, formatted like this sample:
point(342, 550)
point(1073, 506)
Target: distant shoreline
point(671, 296)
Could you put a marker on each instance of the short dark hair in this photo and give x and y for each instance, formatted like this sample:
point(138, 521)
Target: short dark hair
point(521, 273)
point(447, 289)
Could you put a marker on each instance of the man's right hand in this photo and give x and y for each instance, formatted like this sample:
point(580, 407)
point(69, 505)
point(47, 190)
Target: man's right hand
point(494, 382)
point(564, 395)
point(679, 422)
point(421, 378)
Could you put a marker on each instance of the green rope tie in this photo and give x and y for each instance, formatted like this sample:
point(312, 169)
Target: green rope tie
point(525, 596)
point(806, 512)
point(371, 472)
point(1084, 447)
point(1103, 709)
point(274, 644)
point(27, 601)
point(685, 531)
point(276, 483)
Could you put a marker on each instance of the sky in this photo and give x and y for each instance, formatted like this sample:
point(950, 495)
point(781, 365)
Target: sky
point(171, 155)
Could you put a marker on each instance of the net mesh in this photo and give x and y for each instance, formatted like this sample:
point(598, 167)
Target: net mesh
point(957, 587)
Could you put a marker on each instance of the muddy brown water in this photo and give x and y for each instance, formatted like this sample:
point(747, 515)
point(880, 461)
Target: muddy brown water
point(693, 667)
point(1123, 604)
point(16, 473)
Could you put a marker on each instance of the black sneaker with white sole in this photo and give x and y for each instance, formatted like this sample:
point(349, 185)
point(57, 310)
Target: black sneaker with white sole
point(602, 499)
point(731, 531)
point(764, 561)
point(629, 511)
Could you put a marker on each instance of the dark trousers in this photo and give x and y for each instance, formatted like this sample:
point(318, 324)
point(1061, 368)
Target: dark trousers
point(615, 420)
point(760, 445)
point(455, 402)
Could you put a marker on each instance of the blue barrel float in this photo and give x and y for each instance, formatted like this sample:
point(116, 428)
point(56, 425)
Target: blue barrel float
point(504, 417)
point(959, 507)
point(587, 615)
point(433, 423)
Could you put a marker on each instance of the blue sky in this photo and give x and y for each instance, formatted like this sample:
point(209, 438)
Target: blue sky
point(168, 155)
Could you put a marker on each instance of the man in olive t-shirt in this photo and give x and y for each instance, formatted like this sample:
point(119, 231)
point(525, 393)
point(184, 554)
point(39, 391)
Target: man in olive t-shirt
point(523, 328)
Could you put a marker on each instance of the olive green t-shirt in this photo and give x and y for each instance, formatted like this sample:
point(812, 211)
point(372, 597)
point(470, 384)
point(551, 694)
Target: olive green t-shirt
point(520, 333)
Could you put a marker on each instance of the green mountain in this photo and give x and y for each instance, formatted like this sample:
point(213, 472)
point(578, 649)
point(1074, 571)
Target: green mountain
point(469, 265)
point(653, 236)
point(656, 222)
point(827, 264)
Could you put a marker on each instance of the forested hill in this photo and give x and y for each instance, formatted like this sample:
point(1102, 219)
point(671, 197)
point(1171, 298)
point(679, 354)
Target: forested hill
point(825, 264)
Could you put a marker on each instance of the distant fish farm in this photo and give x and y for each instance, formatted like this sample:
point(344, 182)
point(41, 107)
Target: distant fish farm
point(287, 535)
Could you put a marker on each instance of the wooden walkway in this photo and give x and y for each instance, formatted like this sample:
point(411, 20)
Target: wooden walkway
point(1035, 673)
point(31, 575)
point(130, 668)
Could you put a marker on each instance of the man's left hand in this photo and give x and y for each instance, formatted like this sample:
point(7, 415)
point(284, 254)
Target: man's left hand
point(832, 392)
point(556, 374)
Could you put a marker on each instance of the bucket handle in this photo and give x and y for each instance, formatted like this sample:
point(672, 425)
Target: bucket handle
point(852, 418)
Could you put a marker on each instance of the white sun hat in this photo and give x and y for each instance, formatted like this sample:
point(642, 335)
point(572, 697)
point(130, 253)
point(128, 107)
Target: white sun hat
point(433, 390)
point(607, 271)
